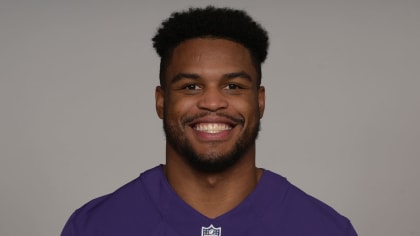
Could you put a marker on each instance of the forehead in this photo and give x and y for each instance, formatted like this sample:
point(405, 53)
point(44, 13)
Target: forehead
point(210, 55)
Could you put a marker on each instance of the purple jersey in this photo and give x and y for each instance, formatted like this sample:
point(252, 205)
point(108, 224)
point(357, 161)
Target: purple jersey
point(149, 206)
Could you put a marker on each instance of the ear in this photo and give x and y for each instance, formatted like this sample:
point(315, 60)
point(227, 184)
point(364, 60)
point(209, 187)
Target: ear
point(261, 100)
point(160, 101)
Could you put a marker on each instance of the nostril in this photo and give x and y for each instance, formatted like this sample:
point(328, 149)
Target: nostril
point(212, 101)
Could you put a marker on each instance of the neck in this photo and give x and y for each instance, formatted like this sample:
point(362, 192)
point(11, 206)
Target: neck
point(212, 194)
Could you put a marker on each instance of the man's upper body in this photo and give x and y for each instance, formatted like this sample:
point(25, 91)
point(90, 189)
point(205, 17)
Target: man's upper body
point(211, 102)
point(149, 206)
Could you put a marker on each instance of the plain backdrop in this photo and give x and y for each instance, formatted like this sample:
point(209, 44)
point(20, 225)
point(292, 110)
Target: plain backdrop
point(77, 116)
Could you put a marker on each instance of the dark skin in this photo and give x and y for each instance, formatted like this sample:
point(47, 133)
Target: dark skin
point(211, 76)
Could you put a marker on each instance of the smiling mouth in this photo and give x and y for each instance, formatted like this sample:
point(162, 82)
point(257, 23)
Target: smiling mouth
point(212, 128)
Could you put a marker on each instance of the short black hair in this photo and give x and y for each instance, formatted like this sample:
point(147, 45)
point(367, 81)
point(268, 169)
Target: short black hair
point(225, 23)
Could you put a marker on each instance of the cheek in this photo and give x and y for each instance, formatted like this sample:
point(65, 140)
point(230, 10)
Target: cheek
point(178, 108)
point(246, 106)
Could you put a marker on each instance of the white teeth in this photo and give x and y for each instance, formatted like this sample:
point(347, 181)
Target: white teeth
point(212, 127)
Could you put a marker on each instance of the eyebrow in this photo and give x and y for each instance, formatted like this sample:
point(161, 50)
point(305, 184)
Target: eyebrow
point(240, 74)
point(180, 76)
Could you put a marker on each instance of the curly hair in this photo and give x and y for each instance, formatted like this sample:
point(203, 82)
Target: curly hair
point(225, 23)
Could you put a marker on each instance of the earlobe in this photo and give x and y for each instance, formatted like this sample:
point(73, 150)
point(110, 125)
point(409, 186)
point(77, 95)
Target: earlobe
point(261, 100)
point(160, 101)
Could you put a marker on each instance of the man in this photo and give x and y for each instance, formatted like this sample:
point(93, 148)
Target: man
point(211, 102)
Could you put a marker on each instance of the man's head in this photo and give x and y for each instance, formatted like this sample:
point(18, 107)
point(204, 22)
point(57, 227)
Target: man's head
point(210, 22)
point(210, 98)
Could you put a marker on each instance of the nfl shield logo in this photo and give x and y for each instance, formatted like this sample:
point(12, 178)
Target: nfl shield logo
point(211, 231)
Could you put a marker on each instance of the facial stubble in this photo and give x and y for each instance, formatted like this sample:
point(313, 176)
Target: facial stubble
point(209, 162)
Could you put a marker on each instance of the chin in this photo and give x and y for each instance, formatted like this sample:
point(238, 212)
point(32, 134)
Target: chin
point(213, 162)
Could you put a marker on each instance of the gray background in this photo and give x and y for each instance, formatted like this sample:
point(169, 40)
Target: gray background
point(77, 83)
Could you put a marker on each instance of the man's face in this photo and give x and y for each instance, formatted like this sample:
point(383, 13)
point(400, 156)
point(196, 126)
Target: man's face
point(211, 105)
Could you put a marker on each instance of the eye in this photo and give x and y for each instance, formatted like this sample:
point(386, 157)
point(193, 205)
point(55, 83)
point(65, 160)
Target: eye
point(232, 86)
point(191, 87)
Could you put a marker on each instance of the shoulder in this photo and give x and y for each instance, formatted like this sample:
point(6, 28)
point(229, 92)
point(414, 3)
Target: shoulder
point(299, 212)
point(127, 208)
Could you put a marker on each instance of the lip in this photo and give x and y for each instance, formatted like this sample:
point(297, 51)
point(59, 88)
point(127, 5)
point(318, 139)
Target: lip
point(214, 120)
point(213, 136)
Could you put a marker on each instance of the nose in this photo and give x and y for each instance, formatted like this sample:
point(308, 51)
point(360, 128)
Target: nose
point(212, 100)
